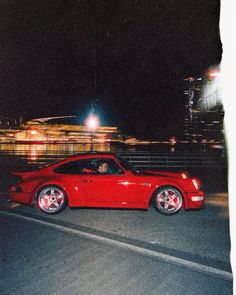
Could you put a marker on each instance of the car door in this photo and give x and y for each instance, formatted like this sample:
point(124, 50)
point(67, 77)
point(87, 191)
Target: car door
point(88, 187)
point(118, 188)
point(103, 190)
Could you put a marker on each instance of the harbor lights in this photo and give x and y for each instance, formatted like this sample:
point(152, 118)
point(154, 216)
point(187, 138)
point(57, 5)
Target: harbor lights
point(92, 124)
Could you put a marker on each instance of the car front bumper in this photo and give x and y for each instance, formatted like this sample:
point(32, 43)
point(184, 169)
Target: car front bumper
point(194, 200)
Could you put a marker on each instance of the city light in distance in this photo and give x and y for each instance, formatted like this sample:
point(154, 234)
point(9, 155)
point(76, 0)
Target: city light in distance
point(92, 122)
point(214, 73)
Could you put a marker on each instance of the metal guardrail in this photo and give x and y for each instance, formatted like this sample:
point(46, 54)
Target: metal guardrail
point(149, 160)
point(173, 160)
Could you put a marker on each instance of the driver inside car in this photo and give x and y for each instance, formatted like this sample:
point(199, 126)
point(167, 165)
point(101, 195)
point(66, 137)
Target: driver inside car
point(103, 167)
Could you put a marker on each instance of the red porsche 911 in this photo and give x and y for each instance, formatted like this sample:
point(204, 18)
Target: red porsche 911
point(108, 181)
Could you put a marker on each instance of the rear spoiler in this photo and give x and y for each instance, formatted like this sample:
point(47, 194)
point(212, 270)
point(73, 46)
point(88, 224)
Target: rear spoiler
point(23, 174)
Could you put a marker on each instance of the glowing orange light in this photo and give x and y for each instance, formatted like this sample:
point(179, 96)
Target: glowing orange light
point(33, 155)
point(213, 73)
point(33, 132)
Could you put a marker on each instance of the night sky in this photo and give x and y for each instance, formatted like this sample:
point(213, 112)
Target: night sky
point(138, 51)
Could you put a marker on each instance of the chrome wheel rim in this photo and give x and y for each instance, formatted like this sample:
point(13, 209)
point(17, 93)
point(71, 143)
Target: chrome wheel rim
point(51, 199)
point(168, 200)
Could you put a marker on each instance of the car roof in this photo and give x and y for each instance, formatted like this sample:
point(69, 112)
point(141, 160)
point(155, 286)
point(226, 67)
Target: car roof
point(92, 155)
point(81, 156)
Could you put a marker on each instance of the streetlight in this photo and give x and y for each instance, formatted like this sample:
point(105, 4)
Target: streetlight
point(92, 123)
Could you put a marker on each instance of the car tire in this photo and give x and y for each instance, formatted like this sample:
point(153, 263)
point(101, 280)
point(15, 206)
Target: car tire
point(168, 200)
point(51, 199)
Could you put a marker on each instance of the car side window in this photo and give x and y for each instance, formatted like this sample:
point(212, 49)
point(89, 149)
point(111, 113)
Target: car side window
point(90, 167)
point(86, 166)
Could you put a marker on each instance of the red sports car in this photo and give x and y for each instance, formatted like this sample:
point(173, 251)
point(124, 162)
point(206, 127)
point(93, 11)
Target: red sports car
point(105, 180)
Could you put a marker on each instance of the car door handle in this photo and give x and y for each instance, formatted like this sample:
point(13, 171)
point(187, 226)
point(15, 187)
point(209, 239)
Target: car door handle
point(87, 180)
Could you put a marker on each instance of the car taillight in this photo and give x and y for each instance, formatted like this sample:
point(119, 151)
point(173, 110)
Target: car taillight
point(15, 189)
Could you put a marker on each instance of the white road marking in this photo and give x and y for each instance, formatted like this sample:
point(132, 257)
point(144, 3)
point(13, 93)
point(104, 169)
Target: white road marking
point(164, 257)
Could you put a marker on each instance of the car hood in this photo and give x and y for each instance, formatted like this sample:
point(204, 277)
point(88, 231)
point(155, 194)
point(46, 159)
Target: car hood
point(165, 173)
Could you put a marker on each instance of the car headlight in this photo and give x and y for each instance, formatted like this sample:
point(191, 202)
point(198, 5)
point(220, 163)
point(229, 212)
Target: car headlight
point(196, 184)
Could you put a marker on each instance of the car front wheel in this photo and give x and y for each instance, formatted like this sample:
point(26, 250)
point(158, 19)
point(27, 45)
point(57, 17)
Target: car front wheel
point(168, 200)
point(51, 199)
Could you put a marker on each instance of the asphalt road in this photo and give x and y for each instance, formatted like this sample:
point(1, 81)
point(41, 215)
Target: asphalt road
point(98, 251)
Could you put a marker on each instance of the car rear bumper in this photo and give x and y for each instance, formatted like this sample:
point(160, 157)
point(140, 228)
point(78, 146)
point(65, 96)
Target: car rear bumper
point(19, 196)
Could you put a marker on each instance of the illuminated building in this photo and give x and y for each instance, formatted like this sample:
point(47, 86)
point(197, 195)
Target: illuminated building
point(203, 122)
point(42, 131)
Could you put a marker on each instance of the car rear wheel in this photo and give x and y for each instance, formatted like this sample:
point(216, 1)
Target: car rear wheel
point(168, 200)
point(51, 199)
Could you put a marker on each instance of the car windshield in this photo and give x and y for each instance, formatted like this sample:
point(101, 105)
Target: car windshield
point(127, 165)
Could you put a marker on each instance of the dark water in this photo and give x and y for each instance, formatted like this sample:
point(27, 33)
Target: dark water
point(68, 149)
